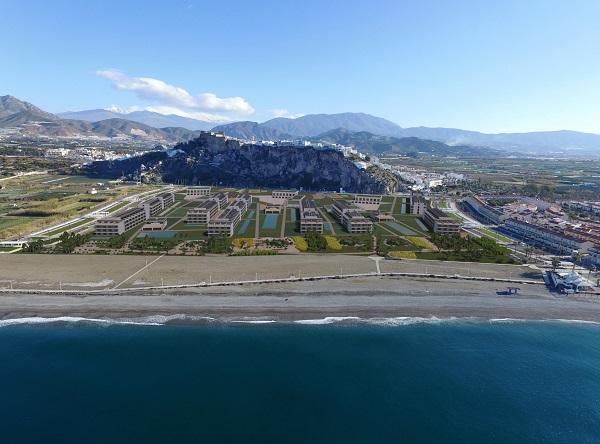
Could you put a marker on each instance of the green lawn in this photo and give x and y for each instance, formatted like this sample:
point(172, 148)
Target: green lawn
point(463, 257)
point(264, 232)
point(12, 221)
point(495, 235)
point(68, 227)
point(117, 207)
point(410, 221)
point(197, 234)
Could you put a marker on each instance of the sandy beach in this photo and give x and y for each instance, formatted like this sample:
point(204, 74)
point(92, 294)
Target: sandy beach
point(364, 297)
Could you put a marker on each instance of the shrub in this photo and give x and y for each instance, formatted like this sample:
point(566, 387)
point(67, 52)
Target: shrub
point(316, 241)
point(420, 242)
point(255, 253)
point(300, 243)
point(333, 243)
point(243, 242)
point(403, 254)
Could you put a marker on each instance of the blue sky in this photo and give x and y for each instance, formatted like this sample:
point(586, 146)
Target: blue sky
point(483, 65)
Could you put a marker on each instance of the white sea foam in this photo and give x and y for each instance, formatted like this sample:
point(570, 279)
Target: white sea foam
point(411, 320)
point(69, 319)
point(164, 319)
point(255, 321)
point(158, 320)
point(327, 320)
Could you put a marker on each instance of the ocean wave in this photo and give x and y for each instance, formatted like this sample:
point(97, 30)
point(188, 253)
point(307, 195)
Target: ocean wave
point(70, 319)
point(254, 321)
point(395, 321)
point(161, 320)
point(327, 320)
point(520, 320)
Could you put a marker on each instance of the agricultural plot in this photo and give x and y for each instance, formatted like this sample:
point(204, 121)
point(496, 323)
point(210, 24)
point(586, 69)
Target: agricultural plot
point(11, 221)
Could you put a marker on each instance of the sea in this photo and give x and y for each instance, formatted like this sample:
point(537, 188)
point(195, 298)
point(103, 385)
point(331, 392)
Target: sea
point(401, 380)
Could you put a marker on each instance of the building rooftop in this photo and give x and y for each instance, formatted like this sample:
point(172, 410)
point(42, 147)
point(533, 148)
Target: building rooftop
point(204, 205)
point(127, 213)
point(438, 214)
point(227, 216)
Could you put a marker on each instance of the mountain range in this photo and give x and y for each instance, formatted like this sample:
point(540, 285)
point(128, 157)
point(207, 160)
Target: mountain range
point(31, 121)
point(409, 146)
point(167, 129)
point(146, 117)
point(311, 126)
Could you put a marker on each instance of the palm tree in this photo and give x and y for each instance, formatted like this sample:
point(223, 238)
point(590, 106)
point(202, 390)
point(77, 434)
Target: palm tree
point(578, 257)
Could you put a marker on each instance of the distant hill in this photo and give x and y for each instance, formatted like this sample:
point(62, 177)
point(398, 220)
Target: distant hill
point(314, 124)
point(31, 121)
point(251, 131)
point(539, 142)
point(9, 106)
point(146, 117)
point(412, 146)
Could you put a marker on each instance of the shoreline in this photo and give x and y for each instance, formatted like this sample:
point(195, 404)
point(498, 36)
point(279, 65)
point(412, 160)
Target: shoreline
point(277, 288)
point(364, 298)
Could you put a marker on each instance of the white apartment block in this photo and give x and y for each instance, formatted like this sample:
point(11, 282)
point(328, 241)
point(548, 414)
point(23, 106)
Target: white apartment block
point(120, 222)
point(367, 199)
point(221, 199)
point(418, 204)
point(227, 221)
point(152, 207)
point(439, 222)
point(197, 192)
point(167, 198)
point(284, 194)
point(310, 218)
point(203, 213)
point(351, 218)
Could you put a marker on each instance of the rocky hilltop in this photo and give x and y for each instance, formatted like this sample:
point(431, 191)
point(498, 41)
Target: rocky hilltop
point(211, 159)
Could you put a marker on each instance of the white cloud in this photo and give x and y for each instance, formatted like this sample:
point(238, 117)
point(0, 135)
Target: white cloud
point(164, 94)
point(280, 112)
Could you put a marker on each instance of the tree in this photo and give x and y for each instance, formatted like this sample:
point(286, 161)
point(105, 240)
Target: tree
point(578, 257)
point(315, 241)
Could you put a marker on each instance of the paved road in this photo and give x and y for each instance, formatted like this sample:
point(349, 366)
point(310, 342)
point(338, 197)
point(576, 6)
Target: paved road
point(282, 233)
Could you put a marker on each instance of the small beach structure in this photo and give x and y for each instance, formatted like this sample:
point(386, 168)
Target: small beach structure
point(571, 282)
